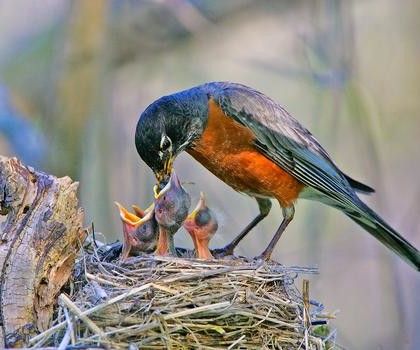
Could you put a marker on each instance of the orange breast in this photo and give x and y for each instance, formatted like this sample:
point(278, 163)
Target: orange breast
point(226, 149)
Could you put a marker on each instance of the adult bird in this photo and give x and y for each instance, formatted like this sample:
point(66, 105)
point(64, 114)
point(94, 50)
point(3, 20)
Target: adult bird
point(254, 145)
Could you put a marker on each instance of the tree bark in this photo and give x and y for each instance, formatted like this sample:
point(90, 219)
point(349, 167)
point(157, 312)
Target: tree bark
point(39, 241)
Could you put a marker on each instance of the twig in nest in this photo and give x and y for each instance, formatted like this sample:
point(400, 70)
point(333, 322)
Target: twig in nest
point(69, 325)
point(93, 235)
point(156, 302)
point(99, 291)
point(74, 309)
point(306, 315)
point(65, 341)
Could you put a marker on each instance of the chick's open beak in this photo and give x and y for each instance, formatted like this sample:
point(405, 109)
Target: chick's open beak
point(132, 219)
point(200, 205)
point(138, 211)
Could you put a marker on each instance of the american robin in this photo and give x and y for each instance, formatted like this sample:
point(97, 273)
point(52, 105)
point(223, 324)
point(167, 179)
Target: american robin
point(254, 145)
point(140, 231)
point(171, 209)
point(201, 224)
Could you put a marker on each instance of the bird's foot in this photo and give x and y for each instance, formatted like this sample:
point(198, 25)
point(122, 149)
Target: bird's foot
point(222, 252)
point(265, 256)
point(183, 252)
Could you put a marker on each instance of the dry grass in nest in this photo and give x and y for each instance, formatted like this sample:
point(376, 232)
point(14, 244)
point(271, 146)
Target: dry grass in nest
point(153, 302)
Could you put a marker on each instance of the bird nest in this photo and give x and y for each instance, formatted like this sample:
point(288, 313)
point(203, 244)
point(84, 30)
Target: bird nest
point(150, 302)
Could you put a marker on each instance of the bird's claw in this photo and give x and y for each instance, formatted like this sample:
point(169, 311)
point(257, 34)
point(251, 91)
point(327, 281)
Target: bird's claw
point(222, 252)
point(263, 257)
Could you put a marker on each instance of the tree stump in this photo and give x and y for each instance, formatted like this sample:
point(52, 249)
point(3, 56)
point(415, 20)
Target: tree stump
point(39, 240)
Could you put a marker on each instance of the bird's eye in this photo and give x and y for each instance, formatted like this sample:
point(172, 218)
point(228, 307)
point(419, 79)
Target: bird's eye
point(165, 143)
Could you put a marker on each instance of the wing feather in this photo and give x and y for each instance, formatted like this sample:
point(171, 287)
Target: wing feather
point(282, 139)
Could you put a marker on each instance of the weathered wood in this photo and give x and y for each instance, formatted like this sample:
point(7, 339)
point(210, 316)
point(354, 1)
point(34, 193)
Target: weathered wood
point(39, 241)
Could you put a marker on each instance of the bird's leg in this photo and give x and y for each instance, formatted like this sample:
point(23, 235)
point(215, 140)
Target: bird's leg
point(194, 239)
point(171, 244)
point(202, 249)
point(125, 252)
point(288, 214)
point(162, 245)
point(126, 246)
point(264, 206)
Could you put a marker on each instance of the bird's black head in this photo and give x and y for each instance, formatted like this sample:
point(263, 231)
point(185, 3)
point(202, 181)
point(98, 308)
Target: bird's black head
point(169, 126)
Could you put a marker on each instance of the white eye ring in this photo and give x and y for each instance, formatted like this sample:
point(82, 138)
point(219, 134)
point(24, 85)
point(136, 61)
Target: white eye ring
point(165, 143)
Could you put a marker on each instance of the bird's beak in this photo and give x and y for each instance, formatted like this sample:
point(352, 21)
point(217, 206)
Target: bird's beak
point(132, 219)
point(172, 183)
point(141, 213)
point(163, 175)
point(200, 205)
point(138, 211)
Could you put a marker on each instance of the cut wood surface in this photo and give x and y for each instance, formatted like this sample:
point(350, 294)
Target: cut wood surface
point(39, 240)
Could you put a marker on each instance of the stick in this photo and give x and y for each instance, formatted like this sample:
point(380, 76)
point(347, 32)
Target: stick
point(74, 309)
point(69, 325)
point(103, 280)
point(134, 291)
point(65, 341)
point(306, 316)
point(99, 291)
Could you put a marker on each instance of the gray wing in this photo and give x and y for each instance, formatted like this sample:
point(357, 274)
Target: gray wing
point(282, 139)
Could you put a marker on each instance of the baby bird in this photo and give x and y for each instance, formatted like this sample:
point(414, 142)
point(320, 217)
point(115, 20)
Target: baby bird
point(140, 212)
point(201, 224)
point(140, 231)
point(171, 209)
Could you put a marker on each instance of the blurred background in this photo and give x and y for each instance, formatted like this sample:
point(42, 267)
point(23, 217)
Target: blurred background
point(75, 76)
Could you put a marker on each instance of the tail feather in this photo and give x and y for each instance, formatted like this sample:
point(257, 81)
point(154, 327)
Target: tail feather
point(358, 186)
point(372, 223)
